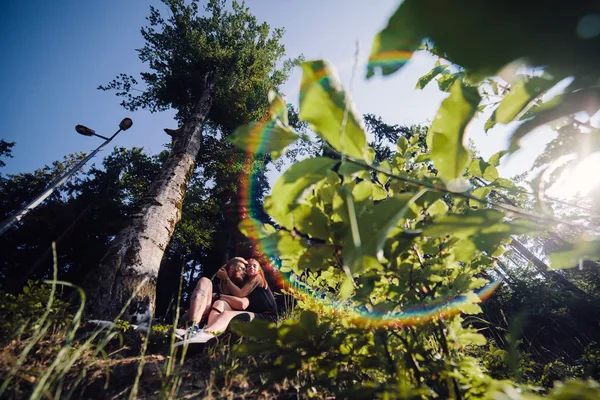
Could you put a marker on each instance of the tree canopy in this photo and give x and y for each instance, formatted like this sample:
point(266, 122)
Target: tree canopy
point(182, 51)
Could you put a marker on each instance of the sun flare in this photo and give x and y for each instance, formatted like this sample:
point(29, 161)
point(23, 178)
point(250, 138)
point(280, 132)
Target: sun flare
point(578, 179)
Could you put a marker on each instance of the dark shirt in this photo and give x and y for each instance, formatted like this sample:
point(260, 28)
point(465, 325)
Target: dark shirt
point(262, 301)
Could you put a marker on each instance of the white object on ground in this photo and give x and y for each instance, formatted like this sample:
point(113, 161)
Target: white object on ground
point(200, 337)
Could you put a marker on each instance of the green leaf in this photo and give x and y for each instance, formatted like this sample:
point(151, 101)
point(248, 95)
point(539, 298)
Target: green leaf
point(308, 320)
point(422, 158)
point(572, 254)
point(466, 338)
point(446, 134)
point(463, 225)
point(402, 144)
point(257, 329)
point(284, 245)
point(381, 177)
point(505, 183)
point(353, 170)
point(278, 108)
point(543, 36)
point(317, 257)
point(373, 229)
point(425, 79)
point(439, 207)
point(328, 109)
point(346, 288)
point(311, 221)
point(495, 158)
point(481, 193)
point(499, 251)
point(483, 170)
point(394, 45)
point(464, 250)
point(489, 124)
point(519, 98)
point(263, 137)
point(470, 305)
point(290, 186)
point(362, 191)
point(363, 196)
point(562, 105)
point(447, 80)
point(494, 86)
point(379, 193)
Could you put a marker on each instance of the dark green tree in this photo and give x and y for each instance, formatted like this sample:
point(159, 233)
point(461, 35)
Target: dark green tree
point(5, 150)
point(81, 217)
point(213, 67)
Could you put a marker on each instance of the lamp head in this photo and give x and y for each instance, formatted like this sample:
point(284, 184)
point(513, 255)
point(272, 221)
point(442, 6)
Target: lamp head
point(125, 124)
point(84, 130)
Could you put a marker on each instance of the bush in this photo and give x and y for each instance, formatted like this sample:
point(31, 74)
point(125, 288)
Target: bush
point(19, 313)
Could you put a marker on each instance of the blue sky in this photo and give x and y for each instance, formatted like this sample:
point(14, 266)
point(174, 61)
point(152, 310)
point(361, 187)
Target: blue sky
point(57, 53)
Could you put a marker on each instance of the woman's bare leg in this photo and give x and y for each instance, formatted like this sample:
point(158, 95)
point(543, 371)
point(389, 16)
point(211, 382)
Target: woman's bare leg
point(223, 320)
point(201, 300)
point(217, 309)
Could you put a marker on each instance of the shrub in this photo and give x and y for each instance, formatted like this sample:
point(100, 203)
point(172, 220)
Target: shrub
point(19, 313)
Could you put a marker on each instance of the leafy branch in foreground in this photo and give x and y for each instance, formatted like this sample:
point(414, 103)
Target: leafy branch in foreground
point(371, 243)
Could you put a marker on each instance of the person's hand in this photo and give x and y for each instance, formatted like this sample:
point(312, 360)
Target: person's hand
point(222, 274)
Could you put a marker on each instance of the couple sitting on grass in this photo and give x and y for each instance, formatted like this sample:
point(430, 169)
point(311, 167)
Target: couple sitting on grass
point(241, 293)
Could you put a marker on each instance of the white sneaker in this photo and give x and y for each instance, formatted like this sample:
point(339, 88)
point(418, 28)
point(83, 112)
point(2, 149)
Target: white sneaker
point(187, 333)
point(180, 333)
point(199, 337)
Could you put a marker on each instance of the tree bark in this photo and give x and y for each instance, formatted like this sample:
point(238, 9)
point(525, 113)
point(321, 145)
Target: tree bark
point(130, 265)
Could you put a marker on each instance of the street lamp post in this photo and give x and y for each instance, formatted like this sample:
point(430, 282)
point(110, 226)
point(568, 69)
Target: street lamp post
point(83, 130)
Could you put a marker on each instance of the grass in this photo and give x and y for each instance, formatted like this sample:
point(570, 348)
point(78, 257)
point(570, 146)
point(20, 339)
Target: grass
point(78, 360)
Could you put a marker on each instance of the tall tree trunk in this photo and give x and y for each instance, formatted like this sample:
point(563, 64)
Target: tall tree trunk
point(545, 270)
point(132, 261)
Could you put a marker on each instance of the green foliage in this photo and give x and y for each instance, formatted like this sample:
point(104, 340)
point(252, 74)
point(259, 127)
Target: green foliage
point(425, 79)
point(5, 150)
point(516, 102)
point(590, 361)
point(577, 97)
point(81, 217)
point(362, 241)
point(189, 49)
point(358, 237)
point(329, 111)
point(478, 56)
point(446, 134)
point(481, 169)
point(543, 39)
point(558, 371)
point(20, 312)
point(384, 260)
point(291, 185)
point(268, 136)
point(572, 255)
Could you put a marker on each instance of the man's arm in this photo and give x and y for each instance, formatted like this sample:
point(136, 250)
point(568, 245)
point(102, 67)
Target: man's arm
point(244, 291)
point(239, 303)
